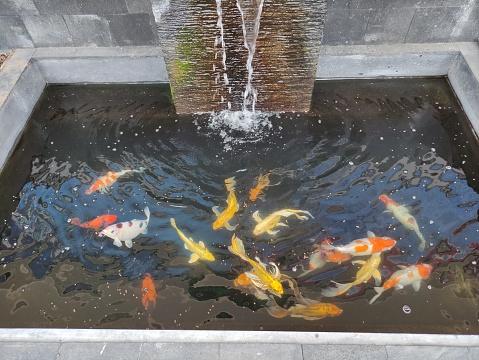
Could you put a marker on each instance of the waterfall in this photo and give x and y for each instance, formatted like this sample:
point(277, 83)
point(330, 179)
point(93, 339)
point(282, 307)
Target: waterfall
point(220, 41)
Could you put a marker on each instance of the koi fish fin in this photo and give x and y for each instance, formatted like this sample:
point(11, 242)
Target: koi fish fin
point(147, 213)
point(256, 216)
point(416, 285)
point(379, 291)
point(275, 310)
point(215, 210)
point(116, 242)
point(402, 267)
point(237, 248)
point(361, 262)
point(282, 224)
point(202, 245)
point(370, 234)
point(129, 243)
point(75, 221)
point(186, 247)
point(387, 211)
point(377, 277)
point(140, 169)
point(338, 289)
point(193, 258)
point(271, 232)
point(229, 227)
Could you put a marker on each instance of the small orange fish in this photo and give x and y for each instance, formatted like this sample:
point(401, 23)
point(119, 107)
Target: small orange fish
point(149, 292)
point(263, 181)
point(243, 280)
point(98, 223)
point(104, 182)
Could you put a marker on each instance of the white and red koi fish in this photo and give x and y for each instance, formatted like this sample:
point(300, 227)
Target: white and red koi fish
point(410, 275)
point(365, 246)
point(103, 183)
point(401, 213)
point(128, 230)
point(321, 256)
point(368, 269)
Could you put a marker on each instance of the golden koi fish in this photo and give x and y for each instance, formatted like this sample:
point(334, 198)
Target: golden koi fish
point(401, 213)
point(368, 270)
point(263, 181)
point(199, 250)
point(313, 311)
point(260, 277)
point(231, 208)
point(271, 221)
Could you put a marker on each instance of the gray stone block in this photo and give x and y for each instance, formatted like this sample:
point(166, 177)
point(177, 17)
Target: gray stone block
point(17, 7)
point(30, 351)
point(57, 7)
point(456, 2)
point(355, 4)
point(13, 33)
point(48, 30)
point(427, 352)
point(139, 6)
point(179, 351)
point(466, 27)
point(89, 30)
point(344, 352)
point(240, 351)
point(432, 25)
point(345, 27)
point(104, 351)
point(474, 352)
point(388, 26)
point(413, 3)
point(103, 7)
point(132, 29)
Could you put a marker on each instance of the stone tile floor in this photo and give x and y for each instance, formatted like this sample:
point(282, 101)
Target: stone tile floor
point(225, 351)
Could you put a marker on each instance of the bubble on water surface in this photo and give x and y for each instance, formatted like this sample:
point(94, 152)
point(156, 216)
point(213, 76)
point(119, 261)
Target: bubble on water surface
point(406, 309)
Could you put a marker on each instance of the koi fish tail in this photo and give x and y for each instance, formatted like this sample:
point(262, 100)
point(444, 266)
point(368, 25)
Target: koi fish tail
point(140, 169)
point(379, 291)
point(237, 248)
point(275, 310)
point(230, 184)
point(147, 213)
point(422, 241)
point(75, 221)
point(173, 223)
point(336, 290)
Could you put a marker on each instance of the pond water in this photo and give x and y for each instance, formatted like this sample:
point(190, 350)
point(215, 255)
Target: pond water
point(407, 139)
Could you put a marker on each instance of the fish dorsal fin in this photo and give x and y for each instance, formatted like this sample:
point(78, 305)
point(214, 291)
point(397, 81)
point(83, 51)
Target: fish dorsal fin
point(371, 234)
point(202, 245)
point(186, 247)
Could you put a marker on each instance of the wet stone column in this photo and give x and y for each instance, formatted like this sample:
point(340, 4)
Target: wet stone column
point(204, 48)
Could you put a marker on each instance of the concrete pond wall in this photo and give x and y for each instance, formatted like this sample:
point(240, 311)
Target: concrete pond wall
point(105, 23)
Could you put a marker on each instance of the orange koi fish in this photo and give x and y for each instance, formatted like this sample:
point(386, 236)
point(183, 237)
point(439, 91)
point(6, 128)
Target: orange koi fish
point(401, 213)
point(312, 311)
point(149, 292)
point(263, 181)
point(365, 246)
point(321, 256)
point(231, 208)
point(97, 223)
point(408, 275)
point(243, 280)
point(104, 182)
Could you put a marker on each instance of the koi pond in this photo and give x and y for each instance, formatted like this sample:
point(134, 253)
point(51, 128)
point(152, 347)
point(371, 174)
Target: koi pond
point(361, 215)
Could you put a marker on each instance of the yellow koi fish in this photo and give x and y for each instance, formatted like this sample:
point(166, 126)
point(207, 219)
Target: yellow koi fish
point(199, 250)
point(313, 311)
point(271, 221)
point(401, 213)
point(231, 208)
point(368, 270)
point(260, 277)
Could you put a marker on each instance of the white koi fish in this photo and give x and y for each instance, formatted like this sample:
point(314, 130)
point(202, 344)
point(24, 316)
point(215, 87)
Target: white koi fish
point(410, 275)
point(126, 231)
point(401, 213)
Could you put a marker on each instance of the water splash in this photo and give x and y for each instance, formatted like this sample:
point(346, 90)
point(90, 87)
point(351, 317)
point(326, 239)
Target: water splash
point(250, 21)
point(219, 41)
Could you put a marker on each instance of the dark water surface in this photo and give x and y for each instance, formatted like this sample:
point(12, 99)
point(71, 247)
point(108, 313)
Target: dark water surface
point(405, 138)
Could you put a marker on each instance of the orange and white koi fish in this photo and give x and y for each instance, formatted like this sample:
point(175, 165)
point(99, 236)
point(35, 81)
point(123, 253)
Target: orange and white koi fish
point(321, 256)
point(149, 292)
point(97, 223)
point(368, 270)
point(103, 183)
point(259, 276)
point(365, 246)
point(231, 208)
point(271, 221)
point(401, 213)
point(410, 275)
point(128, 230)
point(263, 181)
point(313, 311)
point(199, 250)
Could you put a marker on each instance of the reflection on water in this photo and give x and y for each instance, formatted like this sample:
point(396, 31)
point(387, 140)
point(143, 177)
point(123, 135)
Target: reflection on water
point(321, 174)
